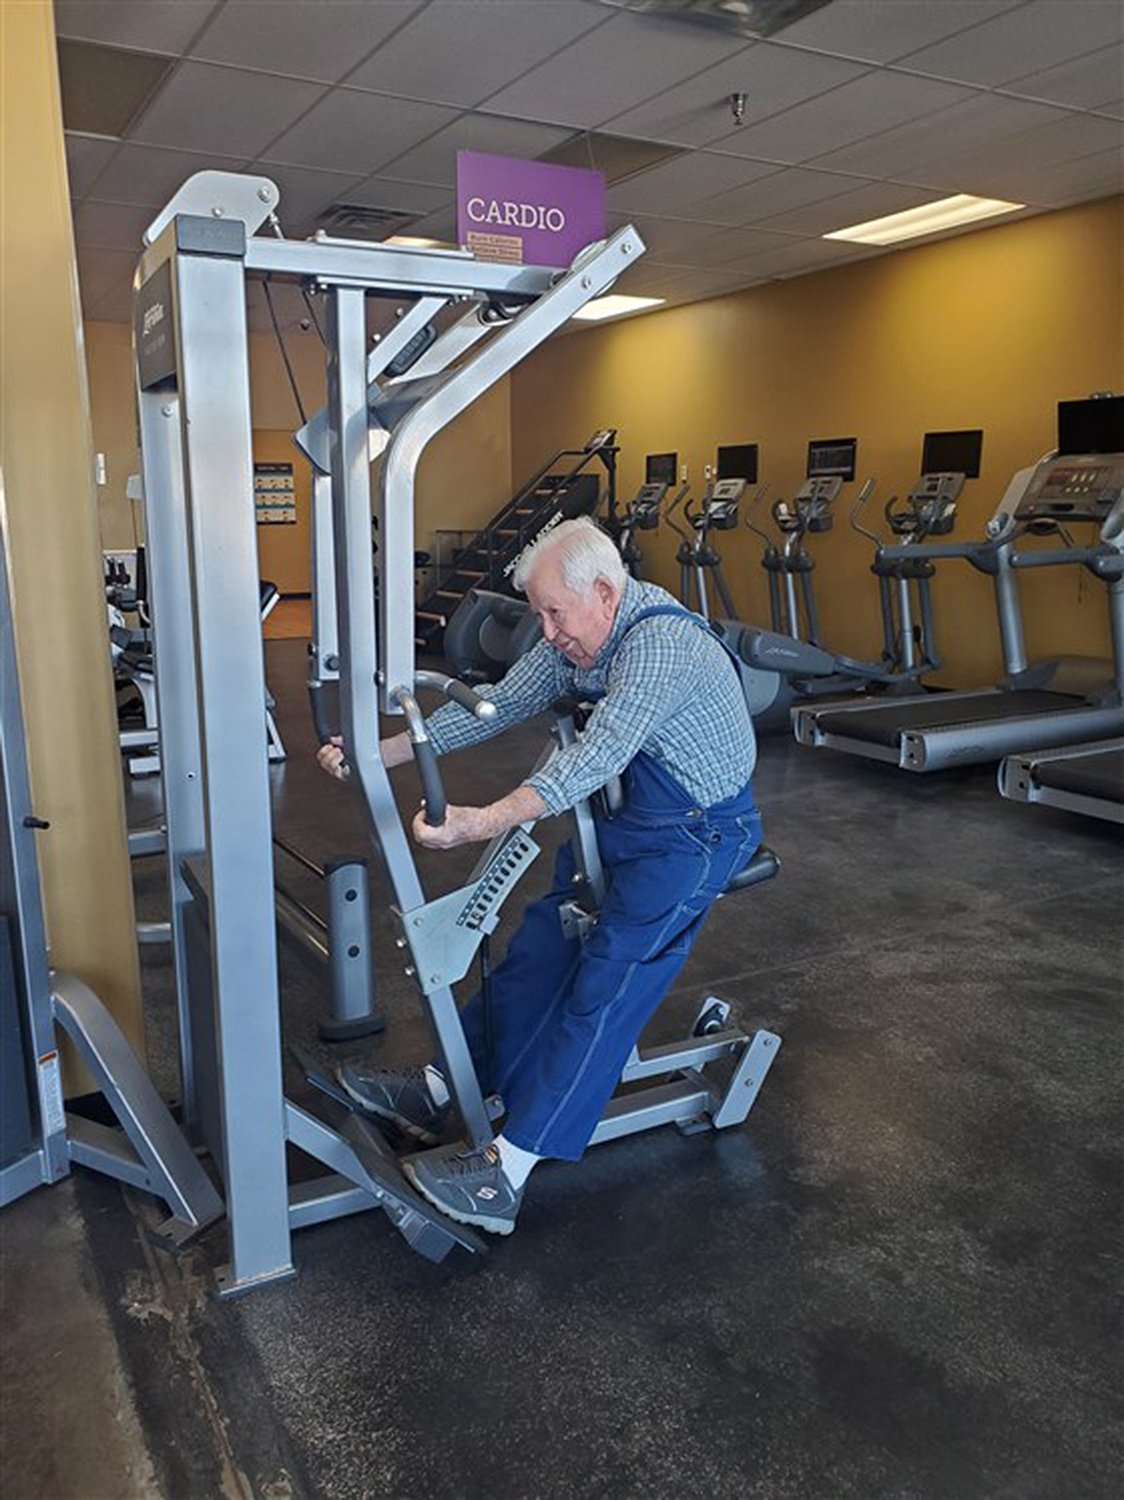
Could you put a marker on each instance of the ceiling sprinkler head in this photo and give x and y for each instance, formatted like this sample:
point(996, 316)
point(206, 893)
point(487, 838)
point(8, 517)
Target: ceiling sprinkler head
point(737, 107)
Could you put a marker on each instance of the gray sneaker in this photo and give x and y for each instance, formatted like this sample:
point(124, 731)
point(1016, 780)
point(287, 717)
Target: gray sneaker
point(403, 1098)
point(470, 1187)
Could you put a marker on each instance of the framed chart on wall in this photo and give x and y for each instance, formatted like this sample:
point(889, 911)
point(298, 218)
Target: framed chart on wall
point(275, 495)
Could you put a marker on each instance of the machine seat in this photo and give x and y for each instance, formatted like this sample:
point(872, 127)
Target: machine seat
point(763, 866)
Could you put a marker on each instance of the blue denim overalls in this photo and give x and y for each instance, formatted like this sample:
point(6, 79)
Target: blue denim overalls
point(565, 1015)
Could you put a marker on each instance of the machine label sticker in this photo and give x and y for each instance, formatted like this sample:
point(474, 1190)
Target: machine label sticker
point(50, 1094)
point(528, 211)
point(153, 331)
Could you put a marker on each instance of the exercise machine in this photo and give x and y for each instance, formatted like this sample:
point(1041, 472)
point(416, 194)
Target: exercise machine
point(1037, 705)
point(40, 1138)
point(193, 396)
point(717, 511)
point(642, 513)
point(1087, 779)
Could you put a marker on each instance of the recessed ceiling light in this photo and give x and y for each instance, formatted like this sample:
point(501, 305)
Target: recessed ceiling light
point(615, 306)
point(930, 218)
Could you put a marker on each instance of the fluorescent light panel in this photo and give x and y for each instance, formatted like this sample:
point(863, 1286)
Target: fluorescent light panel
point(930, 218)
point(615, 306)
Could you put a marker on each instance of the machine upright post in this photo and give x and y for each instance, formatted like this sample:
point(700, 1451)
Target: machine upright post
point(214, 374)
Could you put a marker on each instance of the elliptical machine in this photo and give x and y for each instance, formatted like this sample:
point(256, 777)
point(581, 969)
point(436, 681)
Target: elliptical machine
point(780, 667)
point(696, 557)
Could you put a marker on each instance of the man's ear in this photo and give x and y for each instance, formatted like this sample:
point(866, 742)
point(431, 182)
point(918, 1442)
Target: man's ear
point(607, 594)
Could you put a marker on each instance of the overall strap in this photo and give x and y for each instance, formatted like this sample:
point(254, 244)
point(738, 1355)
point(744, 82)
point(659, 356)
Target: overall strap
point(687, 614)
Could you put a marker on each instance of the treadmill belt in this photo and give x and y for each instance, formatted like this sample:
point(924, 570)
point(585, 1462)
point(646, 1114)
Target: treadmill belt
point(1099, 774)
point(884, 726)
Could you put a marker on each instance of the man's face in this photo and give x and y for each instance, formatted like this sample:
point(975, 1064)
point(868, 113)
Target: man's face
point(578, 625)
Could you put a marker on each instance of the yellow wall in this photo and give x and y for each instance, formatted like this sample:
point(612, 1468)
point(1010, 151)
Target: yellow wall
point(985, 330)
point(48, 476)
point(464, 476)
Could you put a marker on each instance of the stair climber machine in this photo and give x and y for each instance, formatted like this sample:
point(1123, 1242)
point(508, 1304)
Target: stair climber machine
point(567, 485)
point(196, 443)
point(489, 631)
point(789, 664)
point(1043, 704)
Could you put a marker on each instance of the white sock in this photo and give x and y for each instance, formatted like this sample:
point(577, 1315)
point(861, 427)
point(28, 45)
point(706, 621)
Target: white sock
point(517, 1164)
point(438, 1088)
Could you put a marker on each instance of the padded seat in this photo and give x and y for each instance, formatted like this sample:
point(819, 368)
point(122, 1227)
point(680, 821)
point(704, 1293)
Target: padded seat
point(763, 866)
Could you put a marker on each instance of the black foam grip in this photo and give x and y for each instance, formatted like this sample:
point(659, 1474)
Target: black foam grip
point(436, 802)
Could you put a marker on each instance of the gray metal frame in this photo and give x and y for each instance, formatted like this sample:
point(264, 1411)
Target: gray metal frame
point(147, 1150)
point(1018, 781)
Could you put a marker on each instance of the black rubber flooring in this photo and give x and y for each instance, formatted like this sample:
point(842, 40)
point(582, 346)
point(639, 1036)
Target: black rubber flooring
point(900, 1278)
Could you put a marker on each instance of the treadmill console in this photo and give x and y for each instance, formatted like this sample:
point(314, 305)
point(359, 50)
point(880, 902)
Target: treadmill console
point(1078, 487)
point(932, 504)
point(722, 503)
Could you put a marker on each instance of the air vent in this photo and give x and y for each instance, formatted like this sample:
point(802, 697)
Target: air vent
point(748, 18)
point(104, 89)
point(361, 221)
point(618, 156)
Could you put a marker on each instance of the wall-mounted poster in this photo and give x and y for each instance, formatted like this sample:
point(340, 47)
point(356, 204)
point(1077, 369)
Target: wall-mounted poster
point(275, 495)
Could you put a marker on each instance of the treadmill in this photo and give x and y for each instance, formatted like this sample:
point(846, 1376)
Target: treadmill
point(1085, 779)
point(1037, 705)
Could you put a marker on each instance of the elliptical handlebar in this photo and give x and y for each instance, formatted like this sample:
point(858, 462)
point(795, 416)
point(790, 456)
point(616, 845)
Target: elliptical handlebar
point(680, 499)
point(856, 510)
point(762, 491)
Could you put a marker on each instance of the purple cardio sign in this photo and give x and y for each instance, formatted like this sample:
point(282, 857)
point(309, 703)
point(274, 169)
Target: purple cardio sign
point(527, 212)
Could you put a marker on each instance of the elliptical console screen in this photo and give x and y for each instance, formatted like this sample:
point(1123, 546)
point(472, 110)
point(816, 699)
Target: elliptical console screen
point(1095, 425)
point(833, 456)
point(953, 453)
point(661, 468)
point(738, 461)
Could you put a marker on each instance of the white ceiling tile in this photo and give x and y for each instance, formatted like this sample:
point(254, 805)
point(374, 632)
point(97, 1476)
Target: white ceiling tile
point(441, 225)
point(1019, 41)
point(385, 192)
point(100, 271)
point(435, 160)
point(982, 121)
point(882, 30)
point(801, 255)
point(114, 305)
point(773, 195)
point(148, 175)
point(143, 25)
point(697, 112)
point(86, 157)
point(875, 102)
point(321, 39)
point(1016, 168)
point(646, 278)
point(460, 51)
point(871, 201)
point(687, 242)
point(358, 132)
point(1096, 176)
point(111, 226)
point(225, 110)
point(679, 184)
point(617, 65)
point(1092, 82)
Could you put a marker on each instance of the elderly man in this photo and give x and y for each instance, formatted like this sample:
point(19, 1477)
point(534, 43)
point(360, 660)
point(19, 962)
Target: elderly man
point(671, 719)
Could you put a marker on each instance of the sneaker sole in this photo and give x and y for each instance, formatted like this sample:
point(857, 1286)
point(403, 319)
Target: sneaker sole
point(476, 1221)
point(417, 1132)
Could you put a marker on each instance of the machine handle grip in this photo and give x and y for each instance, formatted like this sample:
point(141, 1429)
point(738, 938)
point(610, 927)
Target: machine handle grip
point(458, 692)
point(436, 803)
point(324, 730)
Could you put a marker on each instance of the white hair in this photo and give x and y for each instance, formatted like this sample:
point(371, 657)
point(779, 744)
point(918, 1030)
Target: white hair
point(586, 552)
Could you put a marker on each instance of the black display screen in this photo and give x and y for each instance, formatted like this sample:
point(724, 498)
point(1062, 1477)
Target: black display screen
point(738, 461)
point(832, 456)
point(953, 452)
point(660, 468)
point(1095, 425)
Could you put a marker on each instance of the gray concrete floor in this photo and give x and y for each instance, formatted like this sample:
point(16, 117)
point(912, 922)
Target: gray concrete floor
point(899, 1279)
